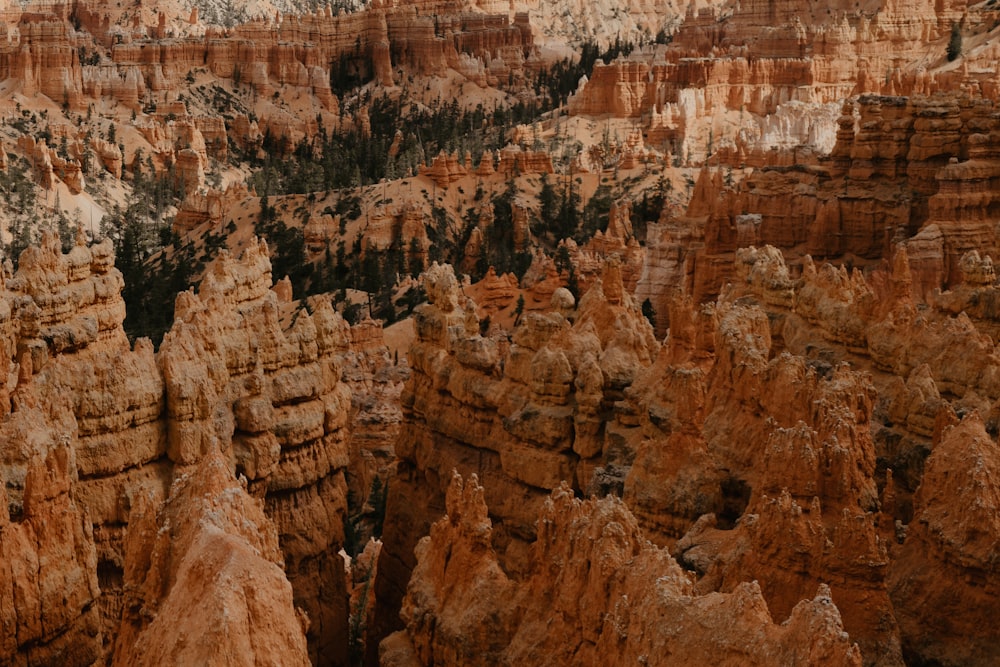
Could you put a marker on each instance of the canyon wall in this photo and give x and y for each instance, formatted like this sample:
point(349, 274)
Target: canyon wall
point(244, 384)
point(762, 75)
point(523, 411)
point(307, 53)
point(904, 171)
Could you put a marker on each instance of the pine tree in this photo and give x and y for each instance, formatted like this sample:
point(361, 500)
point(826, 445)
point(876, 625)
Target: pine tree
point(955, 43)
point(549, 211)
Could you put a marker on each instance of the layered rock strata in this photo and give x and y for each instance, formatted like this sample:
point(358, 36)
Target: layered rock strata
point(242, 376)
point(525, 411)
point(944, 578)
point(778, 437)
point(589, 598)
point(914, 171)
point(46, 55)
point(48, 609)
point(269, 396)
point(761, 75)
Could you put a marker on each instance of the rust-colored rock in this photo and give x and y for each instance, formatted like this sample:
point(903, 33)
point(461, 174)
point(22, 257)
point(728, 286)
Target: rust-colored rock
point(944, 576)
point(523, 413)
point(444, 170)
point(49, 570)
point(589, 598)
point(271, 398)
point(204, 579)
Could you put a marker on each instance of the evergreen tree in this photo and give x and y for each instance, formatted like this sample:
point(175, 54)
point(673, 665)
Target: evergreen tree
point(549, 209)
point(569, 211)
point(955, 42)
point(415, 259)
point(595, 214)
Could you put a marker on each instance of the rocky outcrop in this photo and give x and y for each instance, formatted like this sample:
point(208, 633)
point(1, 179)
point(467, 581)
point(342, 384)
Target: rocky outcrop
point(271, 398)
point(45, 54)
point(918, 354)
point(204, 579)
point(242, 376)
point(944, 575)
point(67, 344)
point(726, 435)
point(524, 410)
point(514, 162)
point(587, 599)
point(898, 175)
point(444, 170)
point(49, 571)
point(376, 381)
point(762, 75)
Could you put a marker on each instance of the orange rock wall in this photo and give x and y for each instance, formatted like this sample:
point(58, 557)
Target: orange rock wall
point(914, 171)
point(242, 377)
point(524, 413)
point(587, 599)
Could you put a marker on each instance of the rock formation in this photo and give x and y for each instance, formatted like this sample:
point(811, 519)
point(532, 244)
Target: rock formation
point(730, 76)
point(749, 427)
point(947, 561)
point(49, 571)
point(241, 376)
point(588, 599)
point(524, 412)
point(811, 449)
point(271, 397)
point(204, 579)
point(894, 177)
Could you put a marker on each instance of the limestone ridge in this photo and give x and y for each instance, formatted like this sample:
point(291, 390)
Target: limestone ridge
point(243, 379)
point(596, 593)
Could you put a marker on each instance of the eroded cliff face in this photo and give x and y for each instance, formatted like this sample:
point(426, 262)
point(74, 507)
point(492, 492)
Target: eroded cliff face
point(775, 444)
point(756, 75)
point(778, 436)
point(93, 55)
point(905, 171)
point(596, 593)
point(920, 361)
point(947, 563)
point(204, 579)
point(754, 465)
point(74, 368)
point(269, 395)
point(523, 410)
point(245, 384)
point(49, 574)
